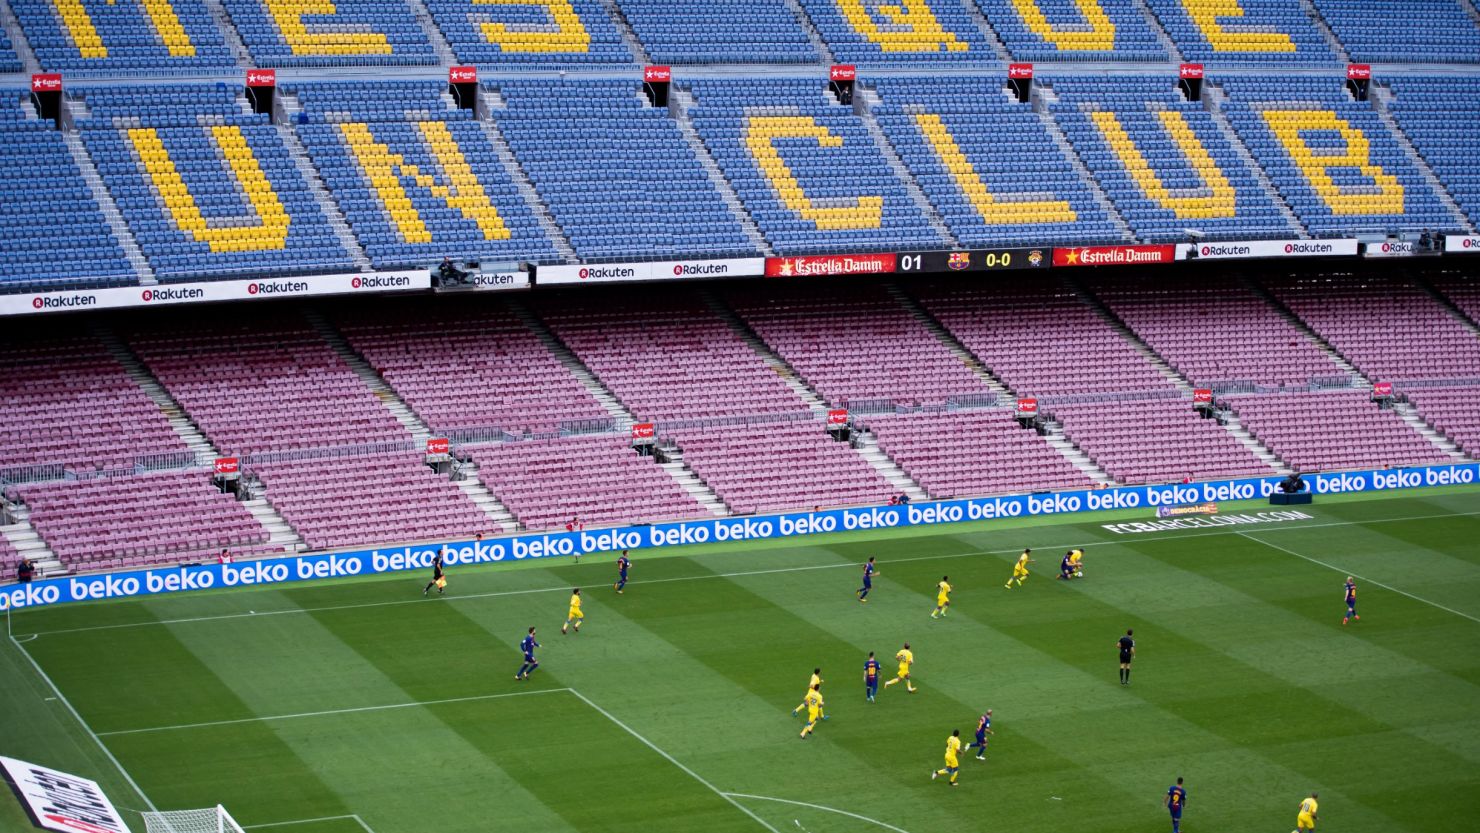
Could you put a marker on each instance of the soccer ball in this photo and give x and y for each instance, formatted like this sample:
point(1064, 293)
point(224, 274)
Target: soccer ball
point(1079, 574)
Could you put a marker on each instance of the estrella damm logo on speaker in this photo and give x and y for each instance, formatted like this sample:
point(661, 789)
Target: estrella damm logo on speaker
point(959, 260)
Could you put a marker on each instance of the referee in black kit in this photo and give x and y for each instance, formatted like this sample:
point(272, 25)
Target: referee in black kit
point(1127, 647)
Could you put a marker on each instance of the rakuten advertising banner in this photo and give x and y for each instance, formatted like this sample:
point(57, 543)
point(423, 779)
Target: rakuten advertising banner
point(496, 280)
point(185, 293)
point(62, 801)
point(669, 270)
point(810, 265)
point(1114, 255)
point(719, 530)
point(1463, 244)
point(1277, 248)
point(1390, 248)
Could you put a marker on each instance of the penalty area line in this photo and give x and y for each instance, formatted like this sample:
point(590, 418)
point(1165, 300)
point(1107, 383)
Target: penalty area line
point(885, 825)
point(672, 760)
point(350, 817)
point(1363, 578)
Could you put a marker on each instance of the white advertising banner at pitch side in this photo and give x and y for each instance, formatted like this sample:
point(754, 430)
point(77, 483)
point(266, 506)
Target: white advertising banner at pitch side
point(663, 270)
point(59, 801)
point(1276, 248)
point(205, 292)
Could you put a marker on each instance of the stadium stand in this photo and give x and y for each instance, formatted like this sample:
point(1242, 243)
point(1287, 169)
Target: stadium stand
point(1451, 411)
point(162, 517)
point(60, 242)
point(979, 451)
point(859, 349)
point(1333, 160)
point(1040, 338)
point(988, 164)
point(9, 61)
point(314, 33)
point(546, 33)
point(1333, 431)
point(1220, 335)
point(668, 357)
point(595, 479)
point(719, 32)
point(158, 36)
point(1397, 32)
point(1223, 32)
point(207, 188)
point(471, 371)
point(911, 32)
point(1388, 328)
point(1465, 295)
point(1073, 30)
point(9, 558)
point(775, 466)
point(1163, 160)
point(1432, 113)
point(1155, 441)
point(264, 382)
point(807, 169)
point(369, 499)
point(416, 178)
point(616, 172)
point(71, 407)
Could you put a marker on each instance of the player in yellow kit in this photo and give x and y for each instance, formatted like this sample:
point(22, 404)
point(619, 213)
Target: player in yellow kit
point(814, 684)
point(942, 597)
point(814, 709)
point(906, 659)
point(1020, 569)
point(953, 762)
point(574, 616)
point(1307, 818)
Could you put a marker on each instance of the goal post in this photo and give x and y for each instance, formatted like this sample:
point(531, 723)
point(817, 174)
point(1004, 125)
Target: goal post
point(210, 820)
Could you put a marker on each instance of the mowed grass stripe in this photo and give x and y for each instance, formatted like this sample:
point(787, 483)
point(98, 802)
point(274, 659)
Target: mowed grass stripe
point(553, 745)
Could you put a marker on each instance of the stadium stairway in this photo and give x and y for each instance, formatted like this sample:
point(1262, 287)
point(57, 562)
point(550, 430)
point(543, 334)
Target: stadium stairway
point(867, 446)
point(629, 36)
point(179, 421)
point(1423, 428)
point(1130, 337)
point(1315, 338)
point(974, 11)
point(532, 198)
point(601, 393)
point(1235, 426)
point(1154, 24)
point(27, 542)
point(1213, 103)
point(784, 370)
point(951, 342)
point(465, 476)
point(1325, 29)
point(316, 184)
point(104, 198)
point(819, 43)
point(680, 100)
point(691, 482)
point(1042, 98)
point(1381, 96)
point(862, 105)
point(1059, 441)
point(18, 41)
point(229, 32)
point(445, 55)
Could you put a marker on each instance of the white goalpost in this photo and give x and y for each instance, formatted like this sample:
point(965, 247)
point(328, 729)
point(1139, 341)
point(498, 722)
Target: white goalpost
point(210, 820)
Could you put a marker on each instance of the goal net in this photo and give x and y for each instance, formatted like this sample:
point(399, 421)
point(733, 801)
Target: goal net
point(210, 820)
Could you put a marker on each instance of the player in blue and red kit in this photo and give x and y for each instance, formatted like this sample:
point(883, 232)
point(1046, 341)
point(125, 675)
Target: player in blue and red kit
point(1351, 602)
point(983, 728)
point(1176, 799)
point(871, 676)
point(869, 571)
point(530, 664)
point(623, 564)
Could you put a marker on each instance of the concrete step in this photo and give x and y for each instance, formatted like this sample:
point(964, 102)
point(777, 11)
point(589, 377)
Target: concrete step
point(1309, 333)
point(600, 392)
point(868, 448)
point(104, 198)
point(279, 531)
point(1066, 447)
point(1411, 416)
point(778, 365)
point(472, 486)
point(903, 174)
point(1233, 425)
point(28, 543)
point(692, 483)
point(944, 336)
point(180, 422)
point(1379, 100)
point(1151, 356)
point(397, 407)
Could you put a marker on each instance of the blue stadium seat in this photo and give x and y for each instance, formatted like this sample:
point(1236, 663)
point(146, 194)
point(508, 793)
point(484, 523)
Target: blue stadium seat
point(1163, 160)
point(1403, 30)
point(1438, 116)
point(9, 62)
point(208, 189)
point(1073, 30)
point(1333, 160)
point(298, 33)
point(1222, 32)
point(123, 35)
point(58, 241)
point(720, 32)
point(913, 32)
point(539, 33)
point(416, 178)
point(616, 173)
point(807, 169)
point(988, 164)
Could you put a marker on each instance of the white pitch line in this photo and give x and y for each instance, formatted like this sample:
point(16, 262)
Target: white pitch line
point(83, 723)
point(737, 574)
point(882, 824)
point(295, 821)
point(1363, 578)
point(672, 760)
point(329, 712)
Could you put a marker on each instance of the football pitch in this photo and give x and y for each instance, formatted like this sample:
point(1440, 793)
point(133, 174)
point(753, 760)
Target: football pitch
point(354, 706)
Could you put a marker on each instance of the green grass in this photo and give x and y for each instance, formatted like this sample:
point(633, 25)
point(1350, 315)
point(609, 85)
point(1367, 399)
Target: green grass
point(362, 704)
